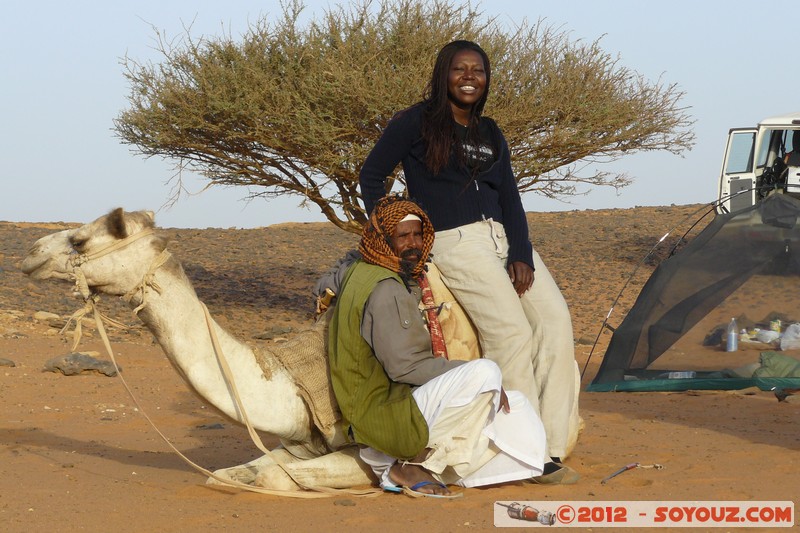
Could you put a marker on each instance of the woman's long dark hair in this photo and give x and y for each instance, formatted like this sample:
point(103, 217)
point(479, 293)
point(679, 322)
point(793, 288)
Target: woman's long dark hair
point(437, 119)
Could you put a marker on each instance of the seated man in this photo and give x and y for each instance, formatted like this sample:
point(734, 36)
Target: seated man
point(792, 158)
point(792, 162)
point(423, 421)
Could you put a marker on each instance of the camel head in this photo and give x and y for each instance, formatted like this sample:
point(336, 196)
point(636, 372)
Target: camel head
point(113, 253)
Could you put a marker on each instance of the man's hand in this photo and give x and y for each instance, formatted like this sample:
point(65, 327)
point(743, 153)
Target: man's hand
point(521, 275)
point(324, 301)
point(504, 405)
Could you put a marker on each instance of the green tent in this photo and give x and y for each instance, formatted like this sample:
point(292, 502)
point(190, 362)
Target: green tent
point(744, 264)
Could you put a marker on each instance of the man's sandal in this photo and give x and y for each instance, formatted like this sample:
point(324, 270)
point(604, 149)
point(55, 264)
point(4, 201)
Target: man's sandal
point(414, 492)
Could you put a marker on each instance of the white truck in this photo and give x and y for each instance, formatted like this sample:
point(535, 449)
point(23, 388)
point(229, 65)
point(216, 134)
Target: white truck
point(760, 160)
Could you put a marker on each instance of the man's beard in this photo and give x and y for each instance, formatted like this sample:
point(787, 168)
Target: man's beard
point(409, 260)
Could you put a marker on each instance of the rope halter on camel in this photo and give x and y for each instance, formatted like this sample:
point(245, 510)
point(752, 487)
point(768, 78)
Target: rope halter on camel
point(90, 298)
point(77, 259)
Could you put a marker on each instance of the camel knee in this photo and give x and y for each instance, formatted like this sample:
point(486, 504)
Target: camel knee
point(244, 474)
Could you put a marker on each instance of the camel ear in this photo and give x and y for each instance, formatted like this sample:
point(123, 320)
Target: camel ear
point(151, 215)
point(115, 223)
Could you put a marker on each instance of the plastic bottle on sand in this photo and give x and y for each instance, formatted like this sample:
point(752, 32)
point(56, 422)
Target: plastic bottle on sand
point(732, 343)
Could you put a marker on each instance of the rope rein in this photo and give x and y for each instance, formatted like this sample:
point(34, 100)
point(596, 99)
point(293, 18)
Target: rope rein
point(148, 282)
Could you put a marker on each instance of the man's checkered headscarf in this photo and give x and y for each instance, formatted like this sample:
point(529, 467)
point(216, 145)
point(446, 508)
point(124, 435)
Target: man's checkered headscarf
point(375, 245)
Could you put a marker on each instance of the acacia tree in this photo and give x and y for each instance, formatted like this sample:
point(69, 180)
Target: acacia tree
point(294, 110)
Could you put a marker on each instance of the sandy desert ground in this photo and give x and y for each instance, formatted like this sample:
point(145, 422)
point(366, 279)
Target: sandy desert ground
point(75, 455)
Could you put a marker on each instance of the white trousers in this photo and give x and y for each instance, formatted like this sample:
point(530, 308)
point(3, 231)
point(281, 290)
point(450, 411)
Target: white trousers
point(530, 338)
point(471, 443)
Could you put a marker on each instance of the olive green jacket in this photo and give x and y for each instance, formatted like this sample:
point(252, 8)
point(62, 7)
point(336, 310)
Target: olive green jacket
point(377, 411)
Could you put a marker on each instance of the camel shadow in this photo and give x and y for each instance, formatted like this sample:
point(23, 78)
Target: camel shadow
point(219, 449)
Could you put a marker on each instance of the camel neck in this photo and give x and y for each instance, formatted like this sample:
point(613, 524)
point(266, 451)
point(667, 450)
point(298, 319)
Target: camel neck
point(176, 318)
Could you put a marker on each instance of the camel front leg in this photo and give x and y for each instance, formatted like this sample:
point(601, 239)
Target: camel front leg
point(339, 470)
point(247, 472)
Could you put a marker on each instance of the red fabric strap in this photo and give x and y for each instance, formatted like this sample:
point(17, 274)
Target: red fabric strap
point(432, 316)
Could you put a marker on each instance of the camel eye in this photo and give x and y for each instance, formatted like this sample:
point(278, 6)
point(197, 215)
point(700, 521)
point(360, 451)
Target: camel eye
point(77, 243)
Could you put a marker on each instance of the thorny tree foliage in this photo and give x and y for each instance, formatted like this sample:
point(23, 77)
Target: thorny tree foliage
point(295, 110)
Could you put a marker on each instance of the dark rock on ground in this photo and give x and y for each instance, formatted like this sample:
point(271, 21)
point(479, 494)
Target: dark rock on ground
point(76, 363)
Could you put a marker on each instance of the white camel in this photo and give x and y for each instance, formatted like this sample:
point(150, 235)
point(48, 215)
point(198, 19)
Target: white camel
point(112, 257)
point(121, 254)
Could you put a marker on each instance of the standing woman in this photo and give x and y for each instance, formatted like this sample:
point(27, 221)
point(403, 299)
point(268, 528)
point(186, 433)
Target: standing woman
point(457, 165)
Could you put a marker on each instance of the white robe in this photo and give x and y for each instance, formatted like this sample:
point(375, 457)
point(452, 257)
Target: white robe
point(472, 444)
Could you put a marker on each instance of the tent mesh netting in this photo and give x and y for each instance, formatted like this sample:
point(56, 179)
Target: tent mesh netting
point(743, 265)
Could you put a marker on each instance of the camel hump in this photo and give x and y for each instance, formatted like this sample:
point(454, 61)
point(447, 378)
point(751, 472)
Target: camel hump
point(459, 333)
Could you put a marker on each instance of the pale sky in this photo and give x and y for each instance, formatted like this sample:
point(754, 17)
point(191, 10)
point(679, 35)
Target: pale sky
point(62, 86)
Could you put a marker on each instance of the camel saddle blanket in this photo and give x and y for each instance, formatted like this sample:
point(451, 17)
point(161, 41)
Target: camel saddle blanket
point(305, 357)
